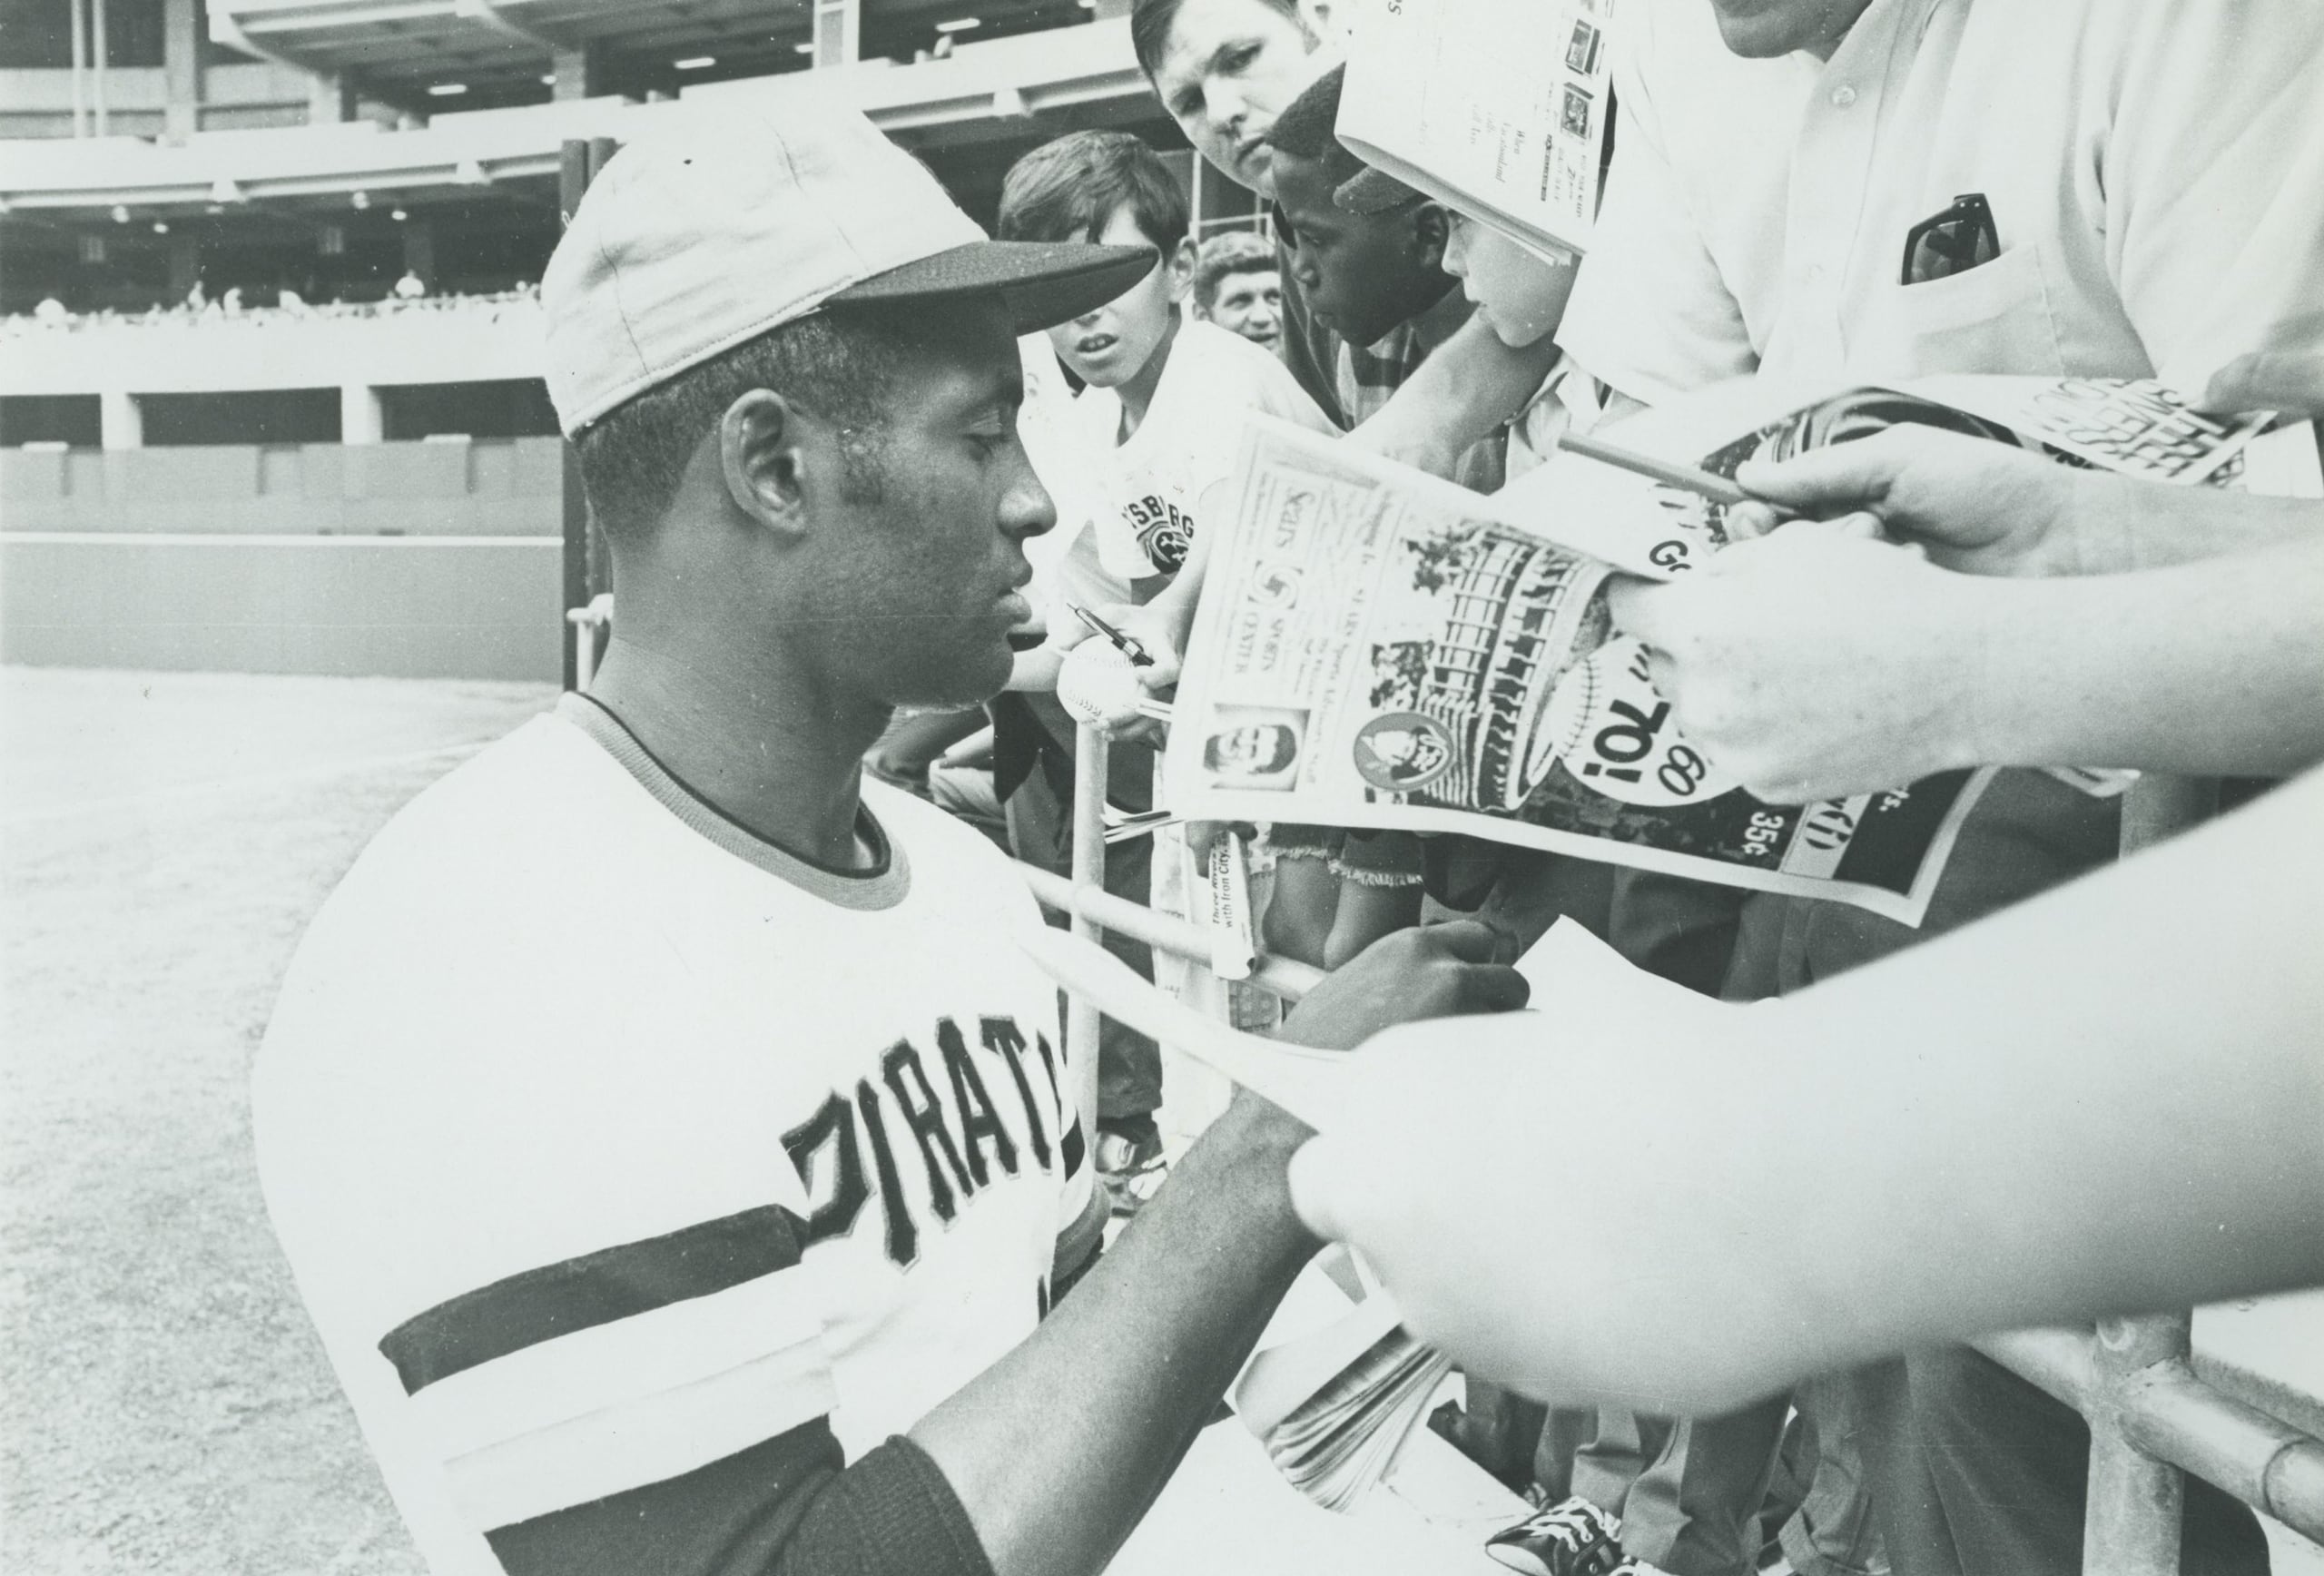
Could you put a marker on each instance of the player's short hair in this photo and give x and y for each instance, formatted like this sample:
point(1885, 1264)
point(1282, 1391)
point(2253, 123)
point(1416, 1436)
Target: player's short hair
point(1068, 190)
point(1236, 252)
point(1150, 22)
point(841, 363)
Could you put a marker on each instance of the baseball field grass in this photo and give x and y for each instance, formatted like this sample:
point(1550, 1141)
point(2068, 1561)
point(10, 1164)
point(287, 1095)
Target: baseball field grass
point(164, 838)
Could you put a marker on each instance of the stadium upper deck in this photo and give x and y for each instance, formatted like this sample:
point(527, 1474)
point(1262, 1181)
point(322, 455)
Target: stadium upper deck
point(444, 172)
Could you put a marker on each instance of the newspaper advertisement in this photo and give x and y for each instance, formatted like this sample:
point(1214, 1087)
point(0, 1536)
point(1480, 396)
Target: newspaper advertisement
point(1374, 649)
point(1498, 108)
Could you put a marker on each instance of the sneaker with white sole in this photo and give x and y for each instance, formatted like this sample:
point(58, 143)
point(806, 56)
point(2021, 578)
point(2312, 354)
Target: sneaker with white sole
point(1571, 1538)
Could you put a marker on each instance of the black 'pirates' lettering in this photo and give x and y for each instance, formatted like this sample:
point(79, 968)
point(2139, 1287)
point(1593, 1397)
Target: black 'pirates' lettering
point(980, 1123)
point(833, 1128)
point(925, 1117)
point(1002, 1035)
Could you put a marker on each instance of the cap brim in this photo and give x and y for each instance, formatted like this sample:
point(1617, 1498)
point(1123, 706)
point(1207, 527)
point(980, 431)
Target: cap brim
point(1371, 190)
point(1043, 282)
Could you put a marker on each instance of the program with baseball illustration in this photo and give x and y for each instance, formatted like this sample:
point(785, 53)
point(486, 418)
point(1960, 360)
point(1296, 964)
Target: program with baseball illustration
point(1378, 647)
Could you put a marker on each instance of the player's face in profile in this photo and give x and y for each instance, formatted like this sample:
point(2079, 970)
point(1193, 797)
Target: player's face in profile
point(931, 556)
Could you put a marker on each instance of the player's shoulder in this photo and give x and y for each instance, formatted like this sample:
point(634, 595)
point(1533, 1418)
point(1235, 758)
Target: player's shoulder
point(503, 813)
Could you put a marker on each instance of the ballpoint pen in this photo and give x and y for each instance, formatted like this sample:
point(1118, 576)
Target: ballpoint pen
point(1671, 473)
point(1129, 646)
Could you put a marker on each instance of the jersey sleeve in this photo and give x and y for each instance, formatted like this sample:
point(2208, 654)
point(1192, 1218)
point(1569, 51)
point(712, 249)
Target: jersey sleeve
point(663, 1405)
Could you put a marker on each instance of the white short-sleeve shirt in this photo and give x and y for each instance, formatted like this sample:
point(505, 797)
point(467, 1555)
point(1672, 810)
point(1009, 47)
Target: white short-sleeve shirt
point(1152, 484)
point(2155, 169)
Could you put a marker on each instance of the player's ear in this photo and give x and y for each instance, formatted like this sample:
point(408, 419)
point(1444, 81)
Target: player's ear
point(1431, 229)
point(776, 459)
point(1179, 269)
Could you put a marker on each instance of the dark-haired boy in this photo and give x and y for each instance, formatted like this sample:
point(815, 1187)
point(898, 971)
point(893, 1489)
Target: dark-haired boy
point(1161, 418)
point(1377, 278)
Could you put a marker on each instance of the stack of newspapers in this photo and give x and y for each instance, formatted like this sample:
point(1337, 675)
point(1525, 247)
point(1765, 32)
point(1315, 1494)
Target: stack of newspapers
point(1335, 1408)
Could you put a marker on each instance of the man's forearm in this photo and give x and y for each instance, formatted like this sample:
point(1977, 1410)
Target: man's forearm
point(1058, 1449)
point(2108, 1099)
point(2215, 666)
point(2160, 526)
point(1470, 385)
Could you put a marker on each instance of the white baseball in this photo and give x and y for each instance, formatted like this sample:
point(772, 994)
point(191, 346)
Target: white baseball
point(1099, 685)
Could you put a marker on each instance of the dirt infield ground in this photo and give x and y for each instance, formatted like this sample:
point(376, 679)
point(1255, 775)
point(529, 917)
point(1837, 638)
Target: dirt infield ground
point(163, 840)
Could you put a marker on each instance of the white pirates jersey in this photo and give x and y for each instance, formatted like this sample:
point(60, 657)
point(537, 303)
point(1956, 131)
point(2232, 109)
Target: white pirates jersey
point(615, 1150)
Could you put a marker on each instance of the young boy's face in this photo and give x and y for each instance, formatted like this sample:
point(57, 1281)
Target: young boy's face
point(1108, 347)
point(1364, 272)
point(1520, 295)
point(1250, 303)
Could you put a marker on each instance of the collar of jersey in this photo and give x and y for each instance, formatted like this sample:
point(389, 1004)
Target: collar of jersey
point(882, 886)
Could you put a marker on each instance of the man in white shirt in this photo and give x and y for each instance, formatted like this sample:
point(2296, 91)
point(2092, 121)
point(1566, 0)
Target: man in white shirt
point(670, 1143)
point(2154, 176)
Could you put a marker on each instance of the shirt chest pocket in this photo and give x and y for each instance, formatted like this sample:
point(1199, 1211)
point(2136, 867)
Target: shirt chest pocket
point(1996, 317)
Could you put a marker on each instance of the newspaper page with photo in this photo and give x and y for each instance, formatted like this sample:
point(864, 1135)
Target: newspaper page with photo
point(1375, 649)
point(1378, 647)
point(1498, 108)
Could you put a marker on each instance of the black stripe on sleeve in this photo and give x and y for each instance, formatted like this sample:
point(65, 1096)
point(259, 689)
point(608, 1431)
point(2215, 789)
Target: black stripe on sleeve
point(614, 1283)
point(781, 1508)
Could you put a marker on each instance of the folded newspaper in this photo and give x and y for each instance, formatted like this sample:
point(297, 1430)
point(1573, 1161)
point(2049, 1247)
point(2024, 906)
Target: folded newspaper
point(1501, 110)
point(1376, 647)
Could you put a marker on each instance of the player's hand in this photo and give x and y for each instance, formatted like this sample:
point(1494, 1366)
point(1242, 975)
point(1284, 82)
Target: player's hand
point(1422, 971)
point(1815, 662)
point(2292, 381)
point(1541, 1263)
point(1976, 506)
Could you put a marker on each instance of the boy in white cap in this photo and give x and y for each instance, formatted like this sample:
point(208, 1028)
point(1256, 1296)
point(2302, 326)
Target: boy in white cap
point(671, 1146)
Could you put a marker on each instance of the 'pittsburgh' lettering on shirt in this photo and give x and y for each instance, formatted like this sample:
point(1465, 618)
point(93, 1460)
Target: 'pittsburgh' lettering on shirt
point(1165, 532)
point(948, 1115)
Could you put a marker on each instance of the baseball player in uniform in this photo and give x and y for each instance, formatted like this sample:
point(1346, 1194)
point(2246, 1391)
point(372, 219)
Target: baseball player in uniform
point(672, 1147)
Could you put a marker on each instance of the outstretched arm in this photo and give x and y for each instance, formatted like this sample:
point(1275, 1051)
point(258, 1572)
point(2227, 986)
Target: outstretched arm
point(1988, 509)
point(2077, 1111)
point(1816, 662)
point(1470, 384)
point(1154, 1334)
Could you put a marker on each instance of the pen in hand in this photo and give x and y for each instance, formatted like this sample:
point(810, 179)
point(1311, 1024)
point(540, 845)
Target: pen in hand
point(1691, 479)
point(1129, 646)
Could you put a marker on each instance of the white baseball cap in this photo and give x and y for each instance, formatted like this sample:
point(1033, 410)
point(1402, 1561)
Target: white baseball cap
point(715, 227)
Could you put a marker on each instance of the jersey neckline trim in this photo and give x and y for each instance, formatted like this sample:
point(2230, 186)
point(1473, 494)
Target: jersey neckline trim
point(884, 886)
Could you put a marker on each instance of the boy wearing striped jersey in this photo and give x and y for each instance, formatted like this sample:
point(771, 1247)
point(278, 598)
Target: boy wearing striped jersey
point(671, 1145)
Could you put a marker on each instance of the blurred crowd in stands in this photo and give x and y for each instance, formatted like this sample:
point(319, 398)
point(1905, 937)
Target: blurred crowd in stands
point(407, 294)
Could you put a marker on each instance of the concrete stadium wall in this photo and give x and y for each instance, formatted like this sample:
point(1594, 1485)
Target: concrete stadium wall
point(421, 560)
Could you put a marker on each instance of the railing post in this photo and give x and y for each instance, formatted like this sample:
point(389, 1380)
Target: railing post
point(1091, 750)
point(2130, 1524)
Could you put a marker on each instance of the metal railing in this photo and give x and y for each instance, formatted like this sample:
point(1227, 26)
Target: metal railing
point(2152, 1419)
